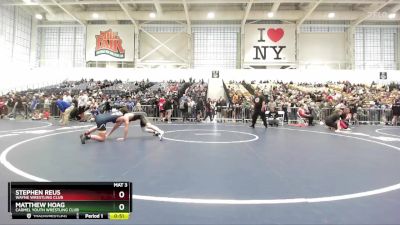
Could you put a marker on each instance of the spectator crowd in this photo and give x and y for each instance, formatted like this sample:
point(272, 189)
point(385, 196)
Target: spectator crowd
point(188, 99)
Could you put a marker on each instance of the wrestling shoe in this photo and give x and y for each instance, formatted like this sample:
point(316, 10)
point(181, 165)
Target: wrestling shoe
point(83, 139)
point(160, 135)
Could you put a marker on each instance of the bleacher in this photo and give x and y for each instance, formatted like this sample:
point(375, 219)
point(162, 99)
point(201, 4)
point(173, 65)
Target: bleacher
point(238, 89)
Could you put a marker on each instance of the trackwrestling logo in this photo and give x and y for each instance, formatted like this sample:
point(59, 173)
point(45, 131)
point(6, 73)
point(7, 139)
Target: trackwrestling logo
point(109, 43)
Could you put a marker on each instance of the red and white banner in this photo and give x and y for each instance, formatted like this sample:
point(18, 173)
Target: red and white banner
point(273, 43)
point(110, 43)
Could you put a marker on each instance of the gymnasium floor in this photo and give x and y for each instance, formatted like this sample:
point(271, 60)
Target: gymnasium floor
point(219, 174)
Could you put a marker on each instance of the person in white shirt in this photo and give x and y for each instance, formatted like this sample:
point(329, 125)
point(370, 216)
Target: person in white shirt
point(82, 104)
point(213, 109)
point(67, 97)
point(191, 105)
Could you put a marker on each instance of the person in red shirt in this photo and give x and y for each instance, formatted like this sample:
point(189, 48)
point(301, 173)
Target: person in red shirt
point(3, 108)
point(161, 108)
point(305, 113)
point(46, 115)
point(329, 98)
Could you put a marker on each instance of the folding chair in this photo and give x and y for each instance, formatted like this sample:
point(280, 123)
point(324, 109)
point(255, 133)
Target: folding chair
point(281, 115)
point(269, 119)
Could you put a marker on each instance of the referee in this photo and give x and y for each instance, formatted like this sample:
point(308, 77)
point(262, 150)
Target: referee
point(259, 109)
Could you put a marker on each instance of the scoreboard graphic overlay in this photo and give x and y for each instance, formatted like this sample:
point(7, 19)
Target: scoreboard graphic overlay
point(70, 200)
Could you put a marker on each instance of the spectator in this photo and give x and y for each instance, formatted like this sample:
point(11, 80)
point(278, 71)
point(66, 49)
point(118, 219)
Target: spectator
point(185, 113)
point(199, 109)
point(36, 115)
point(272, 105)
point(235, 98)
point(18, 108)
point(285, 108)
point(82, 105)
point(106, 104)
point(318, 96)
point(208, 110)
point(3, 108)
point(94, 111)
point(219, 107)
point(213, 109)
point(74, 112)
point(162, 108)
point(11, 102)
point(305, 113)
point(169, 107)
point(65, 109)
point(183, 106)
point(396, 111)
point(354, 111)
point(138, 107)
point(46, 108)
point(67, 97)
point(34, 103)
point(130, 104)
point(191, 108)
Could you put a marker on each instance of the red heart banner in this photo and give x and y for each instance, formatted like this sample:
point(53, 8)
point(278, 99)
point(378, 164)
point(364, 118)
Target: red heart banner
point(275, 34)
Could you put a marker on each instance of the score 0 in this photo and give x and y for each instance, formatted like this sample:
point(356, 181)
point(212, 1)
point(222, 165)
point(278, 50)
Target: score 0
point(121, 194)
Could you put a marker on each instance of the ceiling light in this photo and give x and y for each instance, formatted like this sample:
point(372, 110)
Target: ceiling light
point(331, 15)
point(392, 15)
point(27, 1)
point(152, 15)
point(270, 14)
point(39, 16)
point(95, 15)
point(211, 15)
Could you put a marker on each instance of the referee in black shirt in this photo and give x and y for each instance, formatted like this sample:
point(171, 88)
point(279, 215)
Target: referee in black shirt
point(259, 109)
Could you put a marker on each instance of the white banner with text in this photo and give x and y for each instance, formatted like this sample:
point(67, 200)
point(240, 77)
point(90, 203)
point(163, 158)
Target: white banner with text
point(270, 44)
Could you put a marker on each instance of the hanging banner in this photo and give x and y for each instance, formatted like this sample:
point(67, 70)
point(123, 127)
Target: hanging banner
point(273, 43)
point(110, 43)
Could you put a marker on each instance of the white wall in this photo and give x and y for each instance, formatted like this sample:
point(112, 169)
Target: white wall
point(21, 78)
point(215, 88)
point(177, 42)
point(322, 47)
point(15, 35)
